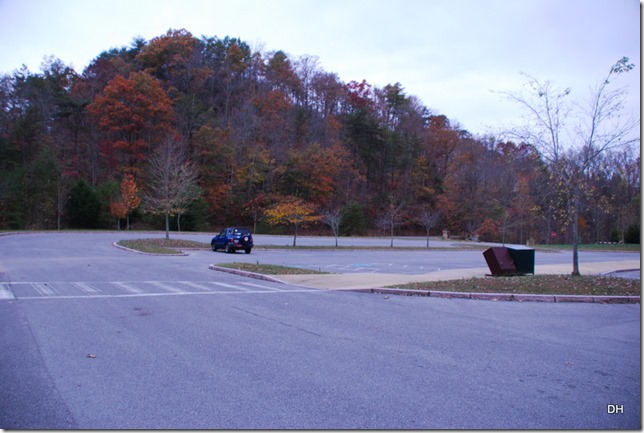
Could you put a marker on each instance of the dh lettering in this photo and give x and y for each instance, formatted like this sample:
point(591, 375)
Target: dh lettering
point(615, 408)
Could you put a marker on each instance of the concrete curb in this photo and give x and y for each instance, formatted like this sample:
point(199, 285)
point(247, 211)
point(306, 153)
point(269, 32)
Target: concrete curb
point(505, 296)
point(246, 274)
point(457, 295)
point(181, 253)
point(607, 274)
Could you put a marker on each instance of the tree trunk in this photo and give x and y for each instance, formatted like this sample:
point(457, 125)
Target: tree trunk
point(575, 234)
point(167, 226)
point(295, 237)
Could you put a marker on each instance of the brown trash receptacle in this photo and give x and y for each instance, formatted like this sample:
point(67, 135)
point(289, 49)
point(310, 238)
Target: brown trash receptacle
point(499, 261)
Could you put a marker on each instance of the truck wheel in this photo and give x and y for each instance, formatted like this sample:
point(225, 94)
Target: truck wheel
point(247, 250)
point(230, 249)
point(214, 248)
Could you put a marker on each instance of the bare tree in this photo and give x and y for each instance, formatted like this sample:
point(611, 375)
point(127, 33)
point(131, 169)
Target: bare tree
point(171, 180)
point(182, 206)
point(572, 135)
point(429, 219)
point(390, 218)
point(333, 218)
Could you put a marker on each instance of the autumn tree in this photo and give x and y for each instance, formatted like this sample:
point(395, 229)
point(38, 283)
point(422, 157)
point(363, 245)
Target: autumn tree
point(622, 189)
point(134, 113)
point(171, 181)
point(175, 59)
point(571, 135)
point(214, 157)
point(255, 208)
point(261, 124)
point(293, 211)
point(467, 189)
point(129, 196)
point(118, 210)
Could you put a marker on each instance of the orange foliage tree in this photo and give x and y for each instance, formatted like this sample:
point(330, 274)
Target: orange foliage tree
point(129, 195)
point(133, 113)
point(118, 210)
point(129, 200)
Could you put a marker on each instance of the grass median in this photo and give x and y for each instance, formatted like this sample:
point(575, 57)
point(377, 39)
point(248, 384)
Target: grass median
point(269, 269)
point(588, 285)
point(162, 246)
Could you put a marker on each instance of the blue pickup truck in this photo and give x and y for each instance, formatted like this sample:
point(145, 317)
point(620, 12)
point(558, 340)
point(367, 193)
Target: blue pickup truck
point(232, 239)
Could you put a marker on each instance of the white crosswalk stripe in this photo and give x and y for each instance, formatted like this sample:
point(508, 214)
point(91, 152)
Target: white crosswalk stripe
point(114, 289)
point(86, 287)
point(168, 287)
point(229, 286)
point(202, 287)
point(260, 286)
point(128, 287)
point(44, 289)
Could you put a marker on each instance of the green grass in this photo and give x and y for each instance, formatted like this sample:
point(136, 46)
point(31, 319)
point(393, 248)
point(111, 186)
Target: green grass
point(537, 284)
point(162, 246)
point(269, 269)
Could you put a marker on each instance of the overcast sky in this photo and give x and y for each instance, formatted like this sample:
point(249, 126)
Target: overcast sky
point(449, 53)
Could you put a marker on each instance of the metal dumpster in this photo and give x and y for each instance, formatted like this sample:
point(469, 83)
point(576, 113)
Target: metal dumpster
point(509, 261)
point(523, 260)
point(499, 261)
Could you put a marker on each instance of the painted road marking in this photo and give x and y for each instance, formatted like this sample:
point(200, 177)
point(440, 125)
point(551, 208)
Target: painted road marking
point(259, 286)
point(114, 289)
point(166, 287)
point(195, 285)
point(85, 287)
point(44, 289)
point(5, 292)
point(128, 287)
point(216, 283)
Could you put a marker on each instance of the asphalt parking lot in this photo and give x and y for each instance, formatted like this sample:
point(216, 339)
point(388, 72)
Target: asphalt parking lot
point(442, 255)
point(95, 337)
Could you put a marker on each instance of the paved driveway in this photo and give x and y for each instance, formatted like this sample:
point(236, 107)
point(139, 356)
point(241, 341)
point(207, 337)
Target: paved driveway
point(95, 337)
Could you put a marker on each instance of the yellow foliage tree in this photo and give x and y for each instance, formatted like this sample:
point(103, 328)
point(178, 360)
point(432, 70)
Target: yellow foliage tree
point(292, 211)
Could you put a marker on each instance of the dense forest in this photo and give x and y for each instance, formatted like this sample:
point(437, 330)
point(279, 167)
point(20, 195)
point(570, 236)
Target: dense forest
point(213, 134)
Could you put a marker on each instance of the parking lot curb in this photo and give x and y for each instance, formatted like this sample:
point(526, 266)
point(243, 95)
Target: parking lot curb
point(180, 253)
point(246, 274)
point(517, 297)
point(504, 296)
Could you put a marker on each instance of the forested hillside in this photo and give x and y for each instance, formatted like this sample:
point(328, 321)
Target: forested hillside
point(212, 134)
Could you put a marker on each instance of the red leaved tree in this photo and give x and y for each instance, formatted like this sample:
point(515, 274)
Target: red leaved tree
point(133, 113)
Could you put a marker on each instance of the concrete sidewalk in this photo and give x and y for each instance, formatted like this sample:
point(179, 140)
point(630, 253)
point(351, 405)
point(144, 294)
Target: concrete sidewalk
point(371, 280)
